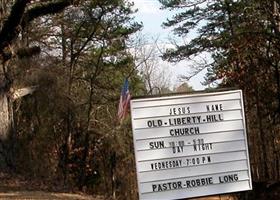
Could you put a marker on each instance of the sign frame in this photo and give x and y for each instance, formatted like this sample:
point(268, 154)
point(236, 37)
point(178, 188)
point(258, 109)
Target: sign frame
point(139, 167)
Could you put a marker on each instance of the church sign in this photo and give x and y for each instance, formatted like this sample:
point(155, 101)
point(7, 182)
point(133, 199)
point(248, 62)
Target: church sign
point(190, 145)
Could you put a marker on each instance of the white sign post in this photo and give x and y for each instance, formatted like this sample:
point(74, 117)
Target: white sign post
point(190, 145)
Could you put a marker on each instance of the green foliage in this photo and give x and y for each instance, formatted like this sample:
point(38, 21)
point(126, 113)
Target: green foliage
point(242, 38)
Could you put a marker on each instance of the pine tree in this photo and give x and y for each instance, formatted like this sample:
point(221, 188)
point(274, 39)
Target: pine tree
point(243, 40)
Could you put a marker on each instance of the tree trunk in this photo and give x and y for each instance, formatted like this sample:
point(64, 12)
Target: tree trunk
point(7, 125)
point(82, 175)
point(5, 121)
point(7, 136)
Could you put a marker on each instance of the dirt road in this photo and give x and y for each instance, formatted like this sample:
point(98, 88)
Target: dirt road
point(40, 195)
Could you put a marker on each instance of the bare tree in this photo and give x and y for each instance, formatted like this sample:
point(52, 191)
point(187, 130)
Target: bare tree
point(152, 69)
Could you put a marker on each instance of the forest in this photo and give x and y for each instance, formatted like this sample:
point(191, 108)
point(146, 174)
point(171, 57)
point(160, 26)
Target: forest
point(62, 66)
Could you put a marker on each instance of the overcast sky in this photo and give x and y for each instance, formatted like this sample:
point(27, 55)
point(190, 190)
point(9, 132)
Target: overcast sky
point(150, 14)
point(152, 17)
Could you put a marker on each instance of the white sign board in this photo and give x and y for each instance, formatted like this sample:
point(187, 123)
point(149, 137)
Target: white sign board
point(190, 145)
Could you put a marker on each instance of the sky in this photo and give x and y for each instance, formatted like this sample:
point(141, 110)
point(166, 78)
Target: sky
point(152, 17)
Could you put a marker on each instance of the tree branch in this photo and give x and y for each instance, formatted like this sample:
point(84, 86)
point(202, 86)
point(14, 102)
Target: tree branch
point(19, 18)
point(28, 51)
point(11, 26)
point(44, 9)
point(18, 93)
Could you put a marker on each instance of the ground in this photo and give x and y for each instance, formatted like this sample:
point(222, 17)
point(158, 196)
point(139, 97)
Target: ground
point(19, 188)
point(30, 195)
point(16, 187)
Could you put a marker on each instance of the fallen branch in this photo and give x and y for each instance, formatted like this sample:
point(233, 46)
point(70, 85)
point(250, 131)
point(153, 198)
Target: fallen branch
point(18, 93)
